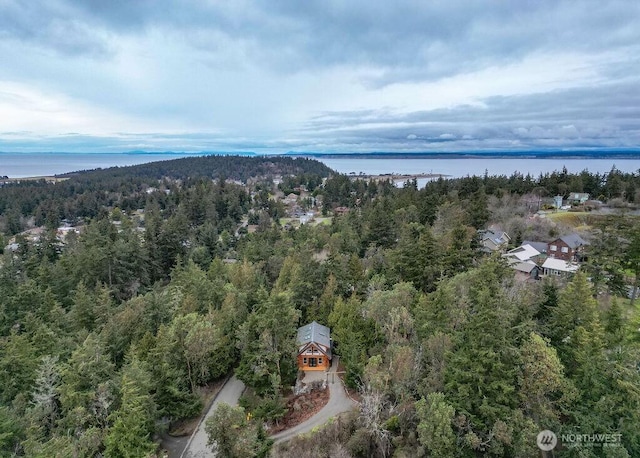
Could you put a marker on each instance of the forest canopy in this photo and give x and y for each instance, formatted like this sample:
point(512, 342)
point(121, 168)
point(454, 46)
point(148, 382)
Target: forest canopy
point(184, 272)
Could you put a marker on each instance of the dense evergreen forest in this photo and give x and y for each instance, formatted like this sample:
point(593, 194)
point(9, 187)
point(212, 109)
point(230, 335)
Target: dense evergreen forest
point(108, 336)
point(85, 194)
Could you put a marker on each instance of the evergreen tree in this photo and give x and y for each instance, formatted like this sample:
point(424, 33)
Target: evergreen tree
point(232, 435)
point(356, 337)
point(133, 423)
point(267, 343)
point(482, 371)
point(435, 427)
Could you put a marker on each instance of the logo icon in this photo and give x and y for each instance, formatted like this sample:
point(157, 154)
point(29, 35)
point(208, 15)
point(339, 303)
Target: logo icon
point(547, 440)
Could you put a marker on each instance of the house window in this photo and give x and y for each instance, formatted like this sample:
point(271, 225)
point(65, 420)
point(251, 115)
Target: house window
point(553, 248)
point(565, 249)
point(319, 360)
point(304, 361)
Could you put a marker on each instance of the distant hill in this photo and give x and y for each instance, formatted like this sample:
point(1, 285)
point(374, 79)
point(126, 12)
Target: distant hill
point(86, 193)
point(231, 167)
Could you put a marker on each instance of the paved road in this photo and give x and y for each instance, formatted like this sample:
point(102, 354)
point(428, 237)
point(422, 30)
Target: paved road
point(338, 403)
point(197, 446)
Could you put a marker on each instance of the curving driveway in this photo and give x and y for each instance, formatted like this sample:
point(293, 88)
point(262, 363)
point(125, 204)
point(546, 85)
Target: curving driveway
point(197, 446)
point(338, 403)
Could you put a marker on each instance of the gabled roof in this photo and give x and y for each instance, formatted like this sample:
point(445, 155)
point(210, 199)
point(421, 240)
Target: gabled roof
point(525, 266)
point(573, 241)
point(316, 333)
point(523, 252)
point(540, 246)
point(496, 237)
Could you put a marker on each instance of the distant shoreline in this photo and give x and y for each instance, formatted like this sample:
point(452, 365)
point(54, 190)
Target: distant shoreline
point(579, 154)
point(396, 176)
point(54, 166)
point(49, 178)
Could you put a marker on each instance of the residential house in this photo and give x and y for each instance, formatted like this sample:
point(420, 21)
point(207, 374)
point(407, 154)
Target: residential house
point(314, 347)
point(559, 267)
point(578, 197)
point(306, 218)
point(290, 199)
point(526, 270)
point(521, 260)
point(540, 246)
point(12, 247)
point(522, 253)
point(557, 201)
point(492, 241)
point(568, 247)
point(64, 231)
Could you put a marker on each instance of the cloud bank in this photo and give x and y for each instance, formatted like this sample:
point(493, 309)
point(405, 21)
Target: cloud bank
point(335, 76)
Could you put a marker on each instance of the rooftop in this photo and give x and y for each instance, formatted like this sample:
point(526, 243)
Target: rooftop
point(573, 240)
point(525, 266)
point(314, 332)
point(523, 252)
point(559, 264)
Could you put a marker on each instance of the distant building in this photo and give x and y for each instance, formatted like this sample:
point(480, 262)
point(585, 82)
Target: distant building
point(521, 260)
point(540, 246)
point(493, 240)
point(568, 247)
point(526, 270)
point(522, 253)
point(557, 202)
point(12, 247)
point(559, 267)
point(291, 199)
point(578, 197)
point(306, 217)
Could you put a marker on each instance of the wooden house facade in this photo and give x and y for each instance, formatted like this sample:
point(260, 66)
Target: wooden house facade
point(568, 248)
point(314, 347)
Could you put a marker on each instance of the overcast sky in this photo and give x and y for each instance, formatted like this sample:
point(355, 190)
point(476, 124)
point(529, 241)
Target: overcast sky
point(343, 76)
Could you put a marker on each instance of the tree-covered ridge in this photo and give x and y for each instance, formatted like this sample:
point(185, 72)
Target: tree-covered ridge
point(83, 194)
point(107, 338)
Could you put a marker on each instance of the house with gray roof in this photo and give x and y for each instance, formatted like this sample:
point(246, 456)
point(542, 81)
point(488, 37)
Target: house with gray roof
point(526, 270)
point(578, 197)
point(314, 347)
point(492, 240)
point(540, 246)
point(568, 247)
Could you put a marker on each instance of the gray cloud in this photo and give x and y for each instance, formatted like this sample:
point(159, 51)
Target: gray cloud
point(405, 40)
point(258, 74)
point(604, 116)
point(50, 25)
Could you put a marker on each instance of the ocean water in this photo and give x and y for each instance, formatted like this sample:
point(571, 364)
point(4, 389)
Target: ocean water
point(460, 167)
point(19, 165)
